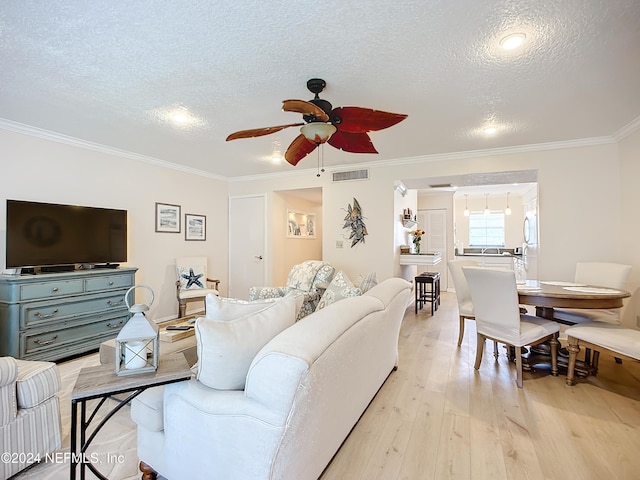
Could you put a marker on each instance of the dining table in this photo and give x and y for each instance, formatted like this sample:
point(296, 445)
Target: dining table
point(545, 296)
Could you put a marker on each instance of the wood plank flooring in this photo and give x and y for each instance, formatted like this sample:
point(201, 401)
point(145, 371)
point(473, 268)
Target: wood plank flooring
point(437, 418)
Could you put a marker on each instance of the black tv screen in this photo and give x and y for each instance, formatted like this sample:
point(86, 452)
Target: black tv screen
point(44, 234)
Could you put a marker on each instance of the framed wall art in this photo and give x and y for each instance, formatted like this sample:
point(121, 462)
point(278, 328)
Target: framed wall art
point(301, 225)
point(195, 227)
point(167, 218)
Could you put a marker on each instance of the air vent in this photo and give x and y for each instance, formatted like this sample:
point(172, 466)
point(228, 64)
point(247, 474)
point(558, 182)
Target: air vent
point(351, 175)
point(441, 185)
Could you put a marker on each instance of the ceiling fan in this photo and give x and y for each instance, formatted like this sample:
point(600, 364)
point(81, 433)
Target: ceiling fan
point(344, 128)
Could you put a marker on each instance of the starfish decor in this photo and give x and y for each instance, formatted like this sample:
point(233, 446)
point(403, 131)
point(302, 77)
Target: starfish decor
point(192, 279)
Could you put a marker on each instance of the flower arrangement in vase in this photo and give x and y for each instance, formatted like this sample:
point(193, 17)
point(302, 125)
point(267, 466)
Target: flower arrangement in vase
point(417, 237)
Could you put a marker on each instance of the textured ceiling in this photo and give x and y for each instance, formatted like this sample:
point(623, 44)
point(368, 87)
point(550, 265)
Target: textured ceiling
point(106, 72)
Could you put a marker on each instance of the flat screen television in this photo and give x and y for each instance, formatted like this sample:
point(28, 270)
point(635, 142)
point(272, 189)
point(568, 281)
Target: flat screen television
point(47, 234)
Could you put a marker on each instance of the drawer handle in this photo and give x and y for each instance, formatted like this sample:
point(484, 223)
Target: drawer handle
point(54, 289)
point(110, 283)
point(113, 304)
point(46, 315)
point(111, 325)
point(46, 342)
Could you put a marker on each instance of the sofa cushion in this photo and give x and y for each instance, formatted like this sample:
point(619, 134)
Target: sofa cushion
point(339, 288)
point(37, 382)
point(227, 348)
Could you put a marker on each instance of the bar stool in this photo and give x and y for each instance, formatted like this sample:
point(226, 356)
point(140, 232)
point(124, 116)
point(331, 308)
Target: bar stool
point(423, 295)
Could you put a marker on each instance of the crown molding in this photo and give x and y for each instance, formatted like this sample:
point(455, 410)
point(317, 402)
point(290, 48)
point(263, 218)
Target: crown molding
point(627, 130)
point(21, 128)
point(537, 147)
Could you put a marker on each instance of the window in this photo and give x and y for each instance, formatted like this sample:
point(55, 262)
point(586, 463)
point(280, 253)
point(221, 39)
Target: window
point(486, 230)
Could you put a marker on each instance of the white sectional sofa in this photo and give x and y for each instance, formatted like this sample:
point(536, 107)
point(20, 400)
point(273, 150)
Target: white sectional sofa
point(304, 392)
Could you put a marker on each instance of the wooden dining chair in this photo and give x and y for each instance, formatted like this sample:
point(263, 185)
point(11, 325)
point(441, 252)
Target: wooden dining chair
point(495, 303)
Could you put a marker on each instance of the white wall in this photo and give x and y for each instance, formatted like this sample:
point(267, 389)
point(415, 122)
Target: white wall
point(578, 193)
point(630, 224)
point(46, 171)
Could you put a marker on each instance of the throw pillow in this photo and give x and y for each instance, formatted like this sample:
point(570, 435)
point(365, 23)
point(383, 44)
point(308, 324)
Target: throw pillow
point(227, 348)
point(192, 278)
point(368, 282)
point(339, 288)
point(219, 308)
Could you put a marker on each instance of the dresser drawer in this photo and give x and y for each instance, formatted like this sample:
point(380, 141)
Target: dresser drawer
point(41, 313)
point(108, 282)
point(51, 289)
point(37, 341)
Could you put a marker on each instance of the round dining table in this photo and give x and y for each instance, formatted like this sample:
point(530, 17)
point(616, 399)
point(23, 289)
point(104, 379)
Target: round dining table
point(547, 295)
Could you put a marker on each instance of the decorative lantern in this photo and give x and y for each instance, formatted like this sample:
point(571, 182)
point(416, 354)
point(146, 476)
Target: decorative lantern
point(137, 344)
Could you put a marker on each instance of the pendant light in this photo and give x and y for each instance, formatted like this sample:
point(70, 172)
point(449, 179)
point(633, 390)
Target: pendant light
point(507, 211)
point(466, 206)
point(486, 204)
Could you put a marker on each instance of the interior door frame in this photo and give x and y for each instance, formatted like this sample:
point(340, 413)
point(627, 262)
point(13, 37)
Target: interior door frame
point(266, 235)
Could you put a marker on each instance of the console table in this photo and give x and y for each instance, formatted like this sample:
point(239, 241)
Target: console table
point(50, 316)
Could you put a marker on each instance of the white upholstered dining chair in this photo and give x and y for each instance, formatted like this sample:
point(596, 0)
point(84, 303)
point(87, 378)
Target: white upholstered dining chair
point(495, 302)
point(463, 296)
point(600, 274)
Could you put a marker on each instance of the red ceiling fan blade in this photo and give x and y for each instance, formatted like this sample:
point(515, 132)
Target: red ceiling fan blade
point(299, 148)
point(305, 108)
point(352, 142)
point(259, 132)
point(361, 120)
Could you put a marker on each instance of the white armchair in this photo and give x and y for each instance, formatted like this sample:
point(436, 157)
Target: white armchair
point(28, 405)
point(310, 277)
point(193, 282)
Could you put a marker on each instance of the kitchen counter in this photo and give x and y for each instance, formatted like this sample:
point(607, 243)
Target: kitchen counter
point(509, 255)
point(420, 258)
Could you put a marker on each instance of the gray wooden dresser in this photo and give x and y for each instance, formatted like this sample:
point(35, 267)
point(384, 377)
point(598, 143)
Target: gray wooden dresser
point(51, 316)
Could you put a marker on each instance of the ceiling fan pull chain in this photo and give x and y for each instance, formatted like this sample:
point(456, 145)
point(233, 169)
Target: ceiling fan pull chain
point(318, 174)
point(322, 169)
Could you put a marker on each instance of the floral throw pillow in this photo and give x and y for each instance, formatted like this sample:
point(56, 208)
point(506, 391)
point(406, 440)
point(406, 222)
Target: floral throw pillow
point(339, 288)
point(368, 282)
point(192, 278)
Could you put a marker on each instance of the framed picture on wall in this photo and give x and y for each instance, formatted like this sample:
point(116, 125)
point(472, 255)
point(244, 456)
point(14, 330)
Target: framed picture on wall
point(195, 227)
point(301, 225)
point(167, 218)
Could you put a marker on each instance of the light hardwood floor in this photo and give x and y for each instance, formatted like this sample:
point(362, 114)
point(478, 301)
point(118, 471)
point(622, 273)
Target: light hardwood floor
point(437, 418)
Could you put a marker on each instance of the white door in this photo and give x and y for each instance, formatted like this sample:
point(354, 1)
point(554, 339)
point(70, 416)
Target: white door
point(247, 244)
point(434, 223)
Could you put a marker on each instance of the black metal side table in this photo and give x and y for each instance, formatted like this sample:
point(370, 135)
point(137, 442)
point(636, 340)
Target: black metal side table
point(102, 382)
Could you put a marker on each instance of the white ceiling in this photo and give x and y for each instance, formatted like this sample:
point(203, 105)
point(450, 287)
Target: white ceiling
point(105, 72)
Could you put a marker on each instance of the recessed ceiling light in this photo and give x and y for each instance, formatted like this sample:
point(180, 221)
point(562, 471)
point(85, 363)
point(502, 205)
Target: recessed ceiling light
point(511, 42)
point(490, 130)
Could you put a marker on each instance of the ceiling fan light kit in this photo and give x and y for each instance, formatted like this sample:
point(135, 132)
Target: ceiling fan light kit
point(344, 128)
